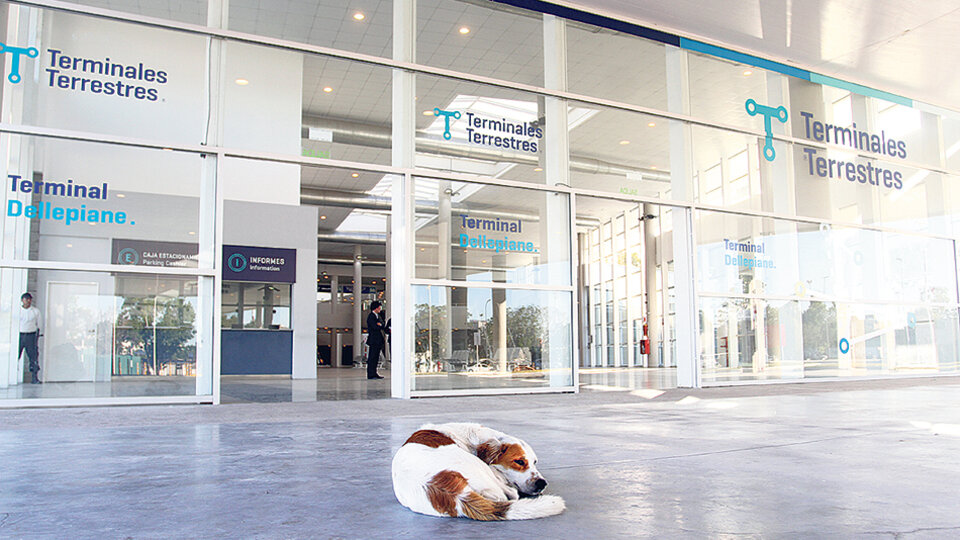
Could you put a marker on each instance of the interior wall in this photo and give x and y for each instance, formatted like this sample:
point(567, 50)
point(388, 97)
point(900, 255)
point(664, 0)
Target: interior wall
point(289, 227)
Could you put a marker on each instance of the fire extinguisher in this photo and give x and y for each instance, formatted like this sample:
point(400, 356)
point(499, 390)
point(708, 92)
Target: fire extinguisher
point(645, 342)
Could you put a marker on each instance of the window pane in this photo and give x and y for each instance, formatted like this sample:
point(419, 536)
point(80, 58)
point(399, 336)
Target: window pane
point(491, 233)
point(103, 334)
point(188, 11)
point(101, 76)
point(607, 64)
point(491, 338)
point(365, 28)
point(484, 39)
point(86, 202)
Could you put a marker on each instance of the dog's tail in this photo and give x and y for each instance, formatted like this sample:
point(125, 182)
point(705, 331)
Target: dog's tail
point(476, 506)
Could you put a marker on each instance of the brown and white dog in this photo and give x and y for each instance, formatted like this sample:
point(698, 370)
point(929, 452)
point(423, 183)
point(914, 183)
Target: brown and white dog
point(467, 470)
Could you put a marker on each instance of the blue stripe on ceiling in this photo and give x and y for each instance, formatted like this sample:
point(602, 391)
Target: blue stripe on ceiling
point(698, 46)
point(596, 20)
point(713, 50)
point(860, 89)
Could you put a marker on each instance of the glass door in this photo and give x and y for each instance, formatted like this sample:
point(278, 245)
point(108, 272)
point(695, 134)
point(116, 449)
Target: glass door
point(626, 292)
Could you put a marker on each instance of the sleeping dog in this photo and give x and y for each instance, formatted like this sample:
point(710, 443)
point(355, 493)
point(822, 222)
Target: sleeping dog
point(467, 470)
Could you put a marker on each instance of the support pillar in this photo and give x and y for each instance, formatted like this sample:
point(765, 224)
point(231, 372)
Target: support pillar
point(357, 303)
point(654, 311)
point(681, 188)
point(443, 260)
point(402, 234)
point(557, 350)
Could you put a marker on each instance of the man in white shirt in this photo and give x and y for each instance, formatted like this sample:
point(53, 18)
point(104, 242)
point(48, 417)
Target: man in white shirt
point(29, 333)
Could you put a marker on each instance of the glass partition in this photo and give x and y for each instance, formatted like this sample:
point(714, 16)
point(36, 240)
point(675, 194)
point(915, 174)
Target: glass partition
point(612, 65)
point(488, 338)
point(88, 202)
point(101, 334)
point(478, 232)
point(618, 151)
point(364, 27)
point(101, 76)
point(784, 299)
point(482, 38)
point(480, 130)
point(293, 103)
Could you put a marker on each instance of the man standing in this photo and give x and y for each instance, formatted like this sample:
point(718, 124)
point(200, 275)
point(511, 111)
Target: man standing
point(374, 339)
point(29, 333)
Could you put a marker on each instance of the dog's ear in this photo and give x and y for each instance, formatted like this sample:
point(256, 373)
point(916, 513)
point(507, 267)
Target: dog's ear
point(490, 451)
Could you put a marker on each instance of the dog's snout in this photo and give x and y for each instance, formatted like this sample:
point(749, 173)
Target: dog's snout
point(540, 484)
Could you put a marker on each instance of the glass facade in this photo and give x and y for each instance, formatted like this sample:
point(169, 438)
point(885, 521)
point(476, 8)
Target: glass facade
point(550, 202)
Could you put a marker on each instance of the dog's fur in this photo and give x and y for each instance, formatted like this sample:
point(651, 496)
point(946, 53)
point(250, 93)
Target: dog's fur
point(467, 470)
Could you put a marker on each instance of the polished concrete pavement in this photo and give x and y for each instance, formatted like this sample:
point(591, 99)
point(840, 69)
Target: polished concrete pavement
point(871, 459)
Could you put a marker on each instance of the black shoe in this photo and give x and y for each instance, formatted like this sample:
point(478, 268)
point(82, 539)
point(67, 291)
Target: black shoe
point(35, 380)
point(375, 377)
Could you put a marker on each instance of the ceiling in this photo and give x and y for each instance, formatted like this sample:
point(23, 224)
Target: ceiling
point(891, 45)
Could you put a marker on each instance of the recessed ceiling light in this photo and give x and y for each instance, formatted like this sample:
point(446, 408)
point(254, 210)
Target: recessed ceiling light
point(423, 249)
point(537, 169)
point(327, 89)
point(428, 113)
point(654, 167)
point(120, 195)
point(242, 82)
point(464, 30)
point(355, 175)
point(624, 142)
point(69, 245)
point(374, 282)
point(323, 217)
point(359, 16)
point(652, 124)
point(747, 73)
point(192, 232)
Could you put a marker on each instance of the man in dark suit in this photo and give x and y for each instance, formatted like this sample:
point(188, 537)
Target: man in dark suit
point(374, 339)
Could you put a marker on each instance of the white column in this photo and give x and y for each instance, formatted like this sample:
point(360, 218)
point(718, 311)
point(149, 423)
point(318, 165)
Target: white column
point(388, 284)
point(558, 355)
point(678, 101)
point(654, 310)
point(18, 152)
point(443, 261)
point(336, 351)
point(210, 235)
point(401, 218)
point(357, 303)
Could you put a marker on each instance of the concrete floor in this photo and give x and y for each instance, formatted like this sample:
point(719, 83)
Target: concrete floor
point(869, 459)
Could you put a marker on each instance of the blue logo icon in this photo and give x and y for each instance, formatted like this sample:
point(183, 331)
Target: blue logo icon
point(844, 346)
point(237, 262)
point(15, 54)
point(780, 113)
point(128, 256)
point(446, 120)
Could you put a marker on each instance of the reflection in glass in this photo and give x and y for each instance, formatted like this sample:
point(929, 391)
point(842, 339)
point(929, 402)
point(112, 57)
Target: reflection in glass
point(103, 334)
point(259, 306)
point(478, 232)
point(754, 339)
point(491, 338)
